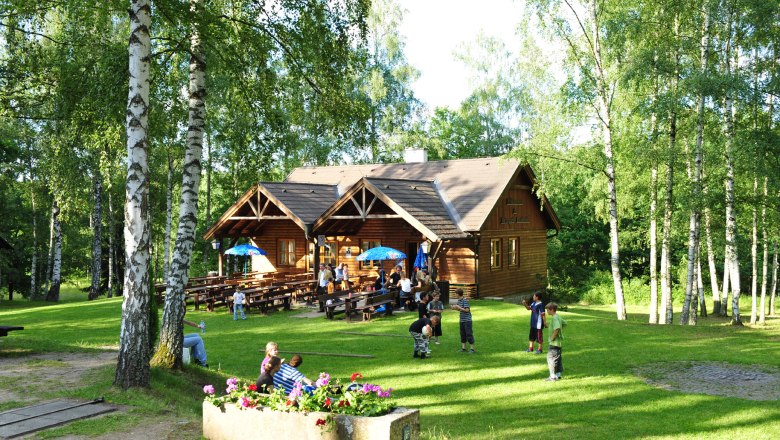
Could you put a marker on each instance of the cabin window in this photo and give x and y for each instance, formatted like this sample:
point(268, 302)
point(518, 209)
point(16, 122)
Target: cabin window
point(495, 253)
point(286, 253)
point(366, 245)
point(328, 253)
point(511, 252)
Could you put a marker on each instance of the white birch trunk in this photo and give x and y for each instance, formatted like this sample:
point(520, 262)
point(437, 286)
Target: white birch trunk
point(169, 351)
point(604, 114)
point(773, 289)
point(168, 220)
point(691, 284)
point(207, 247)
point(97, 222)
point(111, 250)
point(653, 243)
point(56, 268)
point(715, 288)
point(50, 254)
point(764, 260)
point(731, 221)
point(754, 258)
point(133, 363)
point(34, 263)
point(665, 314)
point(700, 287)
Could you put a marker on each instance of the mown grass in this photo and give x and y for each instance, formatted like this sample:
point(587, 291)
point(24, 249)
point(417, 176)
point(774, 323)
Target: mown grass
point(497, 393)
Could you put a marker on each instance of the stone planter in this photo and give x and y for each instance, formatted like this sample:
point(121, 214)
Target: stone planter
point(231, 423)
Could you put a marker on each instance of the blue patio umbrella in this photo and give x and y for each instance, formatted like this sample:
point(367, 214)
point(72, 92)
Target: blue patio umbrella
point(381, 253)
point(245, 249)
point(421, 259)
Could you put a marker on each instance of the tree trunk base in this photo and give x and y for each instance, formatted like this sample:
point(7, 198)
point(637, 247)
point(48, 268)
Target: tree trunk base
point(736, 322)
point(54, 293)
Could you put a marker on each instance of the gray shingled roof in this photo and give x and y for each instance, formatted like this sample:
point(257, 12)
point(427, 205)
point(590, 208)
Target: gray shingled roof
point(472, 185)
point(422, 201)
point(306, 200)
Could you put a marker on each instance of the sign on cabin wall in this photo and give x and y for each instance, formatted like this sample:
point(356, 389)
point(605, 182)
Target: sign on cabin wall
point(510, 212)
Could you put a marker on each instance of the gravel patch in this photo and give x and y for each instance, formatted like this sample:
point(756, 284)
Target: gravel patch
point(752, 382)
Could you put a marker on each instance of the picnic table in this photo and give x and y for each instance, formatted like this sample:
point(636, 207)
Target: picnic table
point(334, 303)
point(4, 329)
point(210, 294)
point(302, 289)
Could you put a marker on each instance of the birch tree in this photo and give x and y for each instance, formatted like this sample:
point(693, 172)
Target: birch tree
point(169, 351)
point(133, 363)
point(97, 245)
point(56, 272)
point(692, 279)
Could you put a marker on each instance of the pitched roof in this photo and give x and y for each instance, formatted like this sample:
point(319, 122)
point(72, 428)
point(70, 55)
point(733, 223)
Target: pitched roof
point(421, 200)
point(306, 201)
point(473, 186)
point(303, 203)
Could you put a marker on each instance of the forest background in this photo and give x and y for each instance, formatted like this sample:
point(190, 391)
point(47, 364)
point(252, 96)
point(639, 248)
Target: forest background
point(655, 133)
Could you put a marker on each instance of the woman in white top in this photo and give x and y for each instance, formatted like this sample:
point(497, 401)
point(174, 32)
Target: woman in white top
point(406, 292)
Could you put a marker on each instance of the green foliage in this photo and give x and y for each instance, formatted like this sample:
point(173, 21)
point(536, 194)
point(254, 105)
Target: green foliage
point(460, 395)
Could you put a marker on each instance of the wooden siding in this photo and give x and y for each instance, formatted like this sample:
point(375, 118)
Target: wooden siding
point(283, 230)
point(516, 215)
point(456, 262)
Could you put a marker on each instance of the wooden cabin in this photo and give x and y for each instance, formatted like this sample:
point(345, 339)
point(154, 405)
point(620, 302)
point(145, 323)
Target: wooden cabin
point(485, 228)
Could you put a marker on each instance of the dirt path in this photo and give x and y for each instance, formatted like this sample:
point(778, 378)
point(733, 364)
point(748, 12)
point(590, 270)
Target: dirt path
point(21, 377)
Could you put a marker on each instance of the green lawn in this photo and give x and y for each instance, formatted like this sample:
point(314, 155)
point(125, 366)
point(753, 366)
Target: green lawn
point(497, 393)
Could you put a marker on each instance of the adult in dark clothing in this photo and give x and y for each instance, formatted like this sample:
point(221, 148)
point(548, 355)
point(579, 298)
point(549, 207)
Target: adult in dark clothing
point(395, 277)
point(421, 331)
point(265, 382)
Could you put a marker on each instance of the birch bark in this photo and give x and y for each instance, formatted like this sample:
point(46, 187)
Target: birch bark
point(111, 250)
point(133, 363)
point(97, 222)
point(731, 221)
point(169, 351)
point(765, 244)
point(168, 220)
point(50, 255)
point(34, 263)
point(710, 251)
point(691, 284)
point(754, 258)
point(54, 289)
point(604, 106)
point(773, 289)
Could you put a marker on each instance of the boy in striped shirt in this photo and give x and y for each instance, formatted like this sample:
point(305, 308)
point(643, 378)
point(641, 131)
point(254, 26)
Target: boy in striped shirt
point(466, 333)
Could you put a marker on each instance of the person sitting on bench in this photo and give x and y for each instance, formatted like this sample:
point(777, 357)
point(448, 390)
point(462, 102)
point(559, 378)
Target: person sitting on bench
point(194, 341)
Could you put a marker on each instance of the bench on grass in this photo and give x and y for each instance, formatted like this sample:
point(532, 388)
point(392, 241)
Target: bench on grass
point(4, 329)
point(371, 304)
point(273, 300)
point(333, 303)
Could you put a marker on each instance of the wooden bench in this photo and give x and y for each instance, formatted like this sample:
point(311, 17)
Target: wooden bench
point(4, 329)
point(372, 303)
point(275, 299)
point(333, 303)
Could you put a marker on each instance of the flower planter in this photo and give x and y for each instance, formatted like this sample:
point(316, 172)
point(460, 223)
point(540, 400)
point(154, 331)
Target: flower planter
point(232, 423)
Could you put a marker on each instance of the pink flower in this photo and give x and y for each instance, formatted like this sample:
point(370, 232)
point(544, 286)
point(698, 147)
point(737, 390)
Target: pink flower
point(323, 380)
point(297, 390)
point(208, 389)
point(231, 388)
point(245, 402)
point(232, 381)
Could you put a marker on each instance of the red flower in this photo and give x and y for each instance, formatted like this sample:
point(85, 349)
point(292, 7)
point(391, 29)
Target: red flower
point(347, 402)
point(253, 387)
point(341, 403)
point(321, 422)
point(355, 376)
point(288, 403)
point(328, 402)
